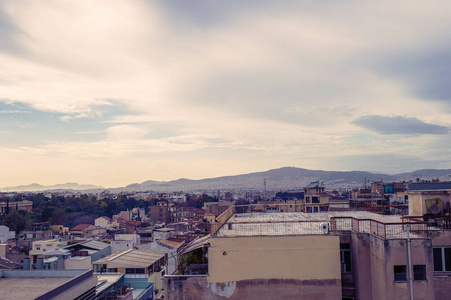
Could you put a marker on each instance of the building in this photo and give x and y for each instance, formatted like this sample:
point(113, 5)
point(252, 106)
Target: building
point(6, 234)
point(171, 247)
point(47, 284)
point(135, 264)
point(105, 222)
point(330, 255)
point(185, 213)
point(116, 286)
point(161, 212)
point(44, 246)
point(87, 230)
point(23, 205)
point(315, 198)
point(216, 208)
point(90, 248)
point(125, 242)
point(429, 198)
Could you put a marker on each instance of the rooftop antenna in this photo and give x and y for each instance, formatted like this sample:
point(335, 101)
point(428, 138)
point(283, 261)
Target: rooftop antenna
point(264, 185)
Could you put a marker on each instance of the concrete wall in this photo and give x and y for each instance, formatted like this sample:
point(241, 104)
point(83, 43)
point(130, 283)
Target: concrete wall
point(417, 201)
point(442, 286)
point(194, 287)
point(101, 254)
point(283, 257)
point(442, 280)
point(77, 263)
point(373, 265)
point(157, 279)
point(117, 246)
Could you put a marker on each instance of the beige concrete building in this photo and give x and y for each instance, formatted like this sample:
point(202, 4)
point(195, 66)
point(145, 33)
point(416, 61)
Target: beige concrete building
point(44, 246)
point(315, 198)
point(333, 255)
point(429, 198)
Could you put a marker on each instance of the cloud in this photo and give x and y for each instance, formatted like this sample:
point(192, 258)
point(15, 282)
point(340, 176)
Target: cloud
point(398, 125)
point(426, 72)
point(261, 84)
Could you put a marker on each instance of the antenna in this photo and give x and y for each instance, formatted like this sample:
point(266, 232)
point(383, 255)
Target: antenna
point(264, 185)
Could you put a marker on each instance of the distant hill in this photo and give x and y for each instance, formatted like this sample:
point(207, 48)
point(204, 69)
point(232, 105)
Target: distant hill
point(281, 179)
point(64, 186)
point(287, 178)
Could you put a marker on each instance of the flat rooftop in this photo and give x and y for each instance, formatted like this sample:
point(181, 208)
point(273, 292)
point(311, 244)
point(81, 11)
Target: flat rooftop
point(300, 216)
point(299, 223)
point(26, 284)
point(28, 288)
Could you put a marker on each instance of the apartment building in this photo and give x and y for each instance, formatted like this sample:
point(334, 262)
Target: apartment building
point(429, 198)
point(135, 264)
point(162, 212)
point(44, 246)
point(315, 198)
point(329, 255)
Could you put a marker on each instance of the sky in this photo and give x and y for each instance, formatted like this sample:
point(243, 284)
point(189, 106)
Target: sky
point(113, 92)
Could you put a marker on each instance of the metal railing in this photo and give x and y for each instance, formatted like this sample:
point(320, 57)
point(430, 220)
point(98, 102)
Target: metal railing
point(271, 228)
point(391, 230)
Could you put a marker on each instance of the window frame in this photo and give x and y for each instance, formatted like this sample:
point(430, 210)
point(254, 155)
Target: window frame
point(345, 248)
point(419, 275)
point(444, 266)
point(397, 274)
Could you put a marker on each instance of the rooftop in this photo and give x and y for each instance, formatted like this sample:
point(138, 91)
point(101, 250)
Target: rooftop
point(81, 227)
point(429, 186)
point(37, 283)
point(298, 223)
point(131, 259)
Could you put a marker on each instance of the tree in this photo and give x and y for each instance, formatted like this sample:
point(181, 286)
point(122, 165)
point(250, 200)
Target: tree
point(15, 221)
point(59, 217)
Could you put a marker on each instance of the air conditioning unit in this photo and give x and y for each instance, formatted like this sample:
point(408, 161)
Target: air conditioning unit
point(324, 227)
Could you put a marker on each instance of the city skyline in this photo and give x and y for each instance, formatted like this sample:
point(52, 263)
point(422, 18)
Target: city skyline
point(111, 93)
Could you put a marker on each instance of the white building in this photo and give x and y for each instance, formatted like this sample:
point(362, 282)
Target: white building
point(6, 234)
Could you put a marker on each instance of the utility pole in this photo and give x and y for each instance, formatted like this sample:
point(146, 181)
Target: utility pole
point(409, 259)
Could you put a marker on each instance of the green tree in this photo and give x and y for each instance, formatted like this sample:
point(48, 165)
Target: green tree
point(15, 221)
point(59, 217)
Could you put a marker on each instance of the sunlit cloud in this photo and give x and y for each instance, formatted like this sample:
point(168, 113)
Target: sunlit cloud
point(208, 89)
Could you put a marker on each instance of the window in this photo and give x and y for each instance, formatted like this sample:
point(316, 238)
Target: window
point(345, 258)
point(400, 273)
point(419, 272)
point(38, 247)
point(309, 209)
point(307, 199)
point(442, 259)
point(315, 199)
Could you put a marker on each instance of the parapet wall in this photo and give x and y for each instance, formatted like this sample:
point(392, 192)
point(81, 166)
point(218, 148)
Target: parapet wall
point(197, 287)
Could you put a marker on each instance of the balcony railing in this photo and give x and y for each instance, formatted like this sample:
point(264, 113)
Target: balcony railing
point(332, 224)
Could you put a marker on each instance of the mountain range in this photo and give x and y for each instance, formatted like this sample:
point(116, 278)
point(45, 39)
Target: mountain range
point(287, 178)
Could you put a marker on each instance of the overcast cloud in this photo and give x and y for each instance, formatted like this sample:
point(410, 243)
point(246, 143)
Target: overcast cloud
point(399, 125)
point(114, 92)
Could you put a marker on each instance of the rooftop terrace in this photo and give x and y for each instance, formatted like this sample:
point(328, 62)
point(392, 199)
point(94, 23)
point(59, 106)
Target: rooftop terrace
point(235, 224)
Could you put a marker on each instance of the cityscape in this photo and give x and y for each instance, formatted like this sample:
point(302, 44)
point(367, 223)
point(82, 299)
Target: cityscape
point(373, 240)
point(225, 150)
